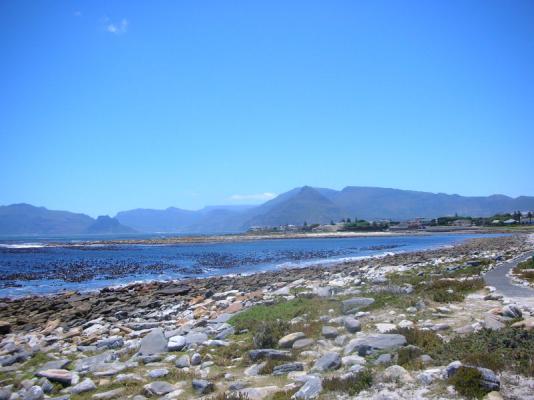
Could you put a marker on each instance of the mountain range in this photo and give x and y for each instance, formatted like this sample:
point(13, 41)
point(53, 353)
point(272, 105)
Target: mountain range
point(303, 204)
point(25, 219)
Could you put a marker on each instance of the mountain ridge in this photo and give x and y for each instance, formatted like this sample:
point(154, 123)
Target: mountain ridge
point(296, 206)
point(23, 218)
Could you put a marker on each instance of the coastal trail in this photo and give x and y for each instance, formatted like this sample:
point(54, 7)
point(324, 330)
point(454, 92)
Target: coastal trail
point(498, 278)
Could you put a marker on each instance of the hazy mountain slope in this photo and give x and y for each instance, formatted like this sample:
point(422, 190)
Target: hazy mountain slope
point(373, 203)
point(210, 219)
point(169, 220)
point(304, 204)
point(105, 224)
point(27, 219)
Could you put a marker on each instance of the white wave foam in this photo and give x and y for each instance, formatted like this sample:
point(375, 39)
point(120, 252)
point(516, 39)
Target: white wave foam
point(331, 261)
point(22, 245)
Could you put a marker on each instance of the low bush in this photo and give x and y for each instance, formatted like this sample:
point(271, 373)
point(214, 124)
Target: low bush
point(509, 348)
point(467, 382)
point(283, 395)
point(457, 285)
point(428, 341)
point(268, 323)
point(524, 270)
point(408, 354)
point(224, 356)
point(351, 385)
point(266, 334)
point(230, 396)
point(446, 296)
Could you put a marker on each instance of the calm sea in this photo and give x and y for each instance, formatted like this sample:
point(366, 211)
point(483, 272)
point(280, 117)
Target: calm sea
point(28, 266)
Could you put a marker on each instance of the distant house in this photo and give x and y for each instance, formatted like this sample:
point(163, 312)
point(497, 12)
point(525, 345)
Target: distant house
point(328, 228)
point(258, 229)
point(400, 226)
point(462, 222)
point(510, 221)
point(496, 221)
point(525, 219)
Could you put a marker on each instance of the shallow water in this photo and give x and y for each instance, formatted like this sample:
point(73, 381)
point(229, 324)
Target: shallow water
point(29, 268)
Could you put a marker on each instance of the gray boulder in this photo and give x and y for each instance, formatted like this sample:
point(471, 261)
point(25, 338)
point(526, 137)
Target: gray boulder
point(271, 354)
point(452, 368)
point(512, 311)
point(195, 338)
point(113, 342)
point(110, 394)
point(286, 368)
point(85, 364)
point(329, 332)
point(375, 341)
point(202, 386)
point(33, 393)
point(153, 343)
point(5, 394)
point(311, 389)
point(183, 362)
point(302, 343)
point(57, 375)
point(84, 386)
point(383, 359)
point(158, 388)
point(176, 343)
point(489, 379)
point(225, 333)
point(196, 359)
point(355, 304)
point(491, 322)
point(157, 373)
point(287, 341)
point(55, 364)
point(352, 324)
point(328, 361)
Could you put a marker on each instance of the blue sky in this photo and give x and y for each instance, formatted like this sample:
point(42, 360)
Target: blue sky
point(113, 105)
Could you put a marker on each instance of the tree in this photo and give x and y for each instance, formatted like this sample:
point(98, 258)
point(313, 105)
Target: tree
point(348, 221)
point(332, 222)
point(529, 216)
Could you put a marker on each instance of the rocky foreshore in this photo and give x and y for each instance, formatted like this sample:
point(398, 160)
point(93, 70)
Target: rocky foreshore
point(376, 328)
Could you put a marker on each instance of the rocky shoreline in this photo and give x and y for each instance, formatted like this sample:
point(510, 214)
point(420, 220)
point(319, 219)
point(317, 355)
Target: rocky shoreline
point(341, 331)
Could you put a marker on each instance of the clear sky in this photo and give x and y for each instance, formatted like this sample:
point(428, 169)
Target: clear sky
point(113, 105)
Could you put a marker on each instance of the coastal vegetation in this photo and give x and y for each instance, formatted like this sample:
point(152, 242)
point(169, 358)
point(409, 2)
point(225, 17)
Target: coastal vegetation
point(525, 270)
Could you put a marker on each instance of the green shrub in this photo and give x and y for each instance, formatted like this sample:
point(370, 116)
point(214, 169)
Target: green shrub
point(283, 311)
point(408, 354)
point(283, 395)
point(461, 286)
point(509, 348)
point(266, 334)
point(444, 296)
point(521, 270)
point(428, 341)
point(467, 382)
point(486, 360)
point(230, 396)
point(224, 356)
point(268, 323)
point(351, 385)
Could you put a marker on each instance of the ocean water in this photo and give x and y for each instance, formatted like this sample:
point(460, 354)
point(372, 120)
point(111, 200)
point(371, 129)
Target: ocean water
point(29, 267)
